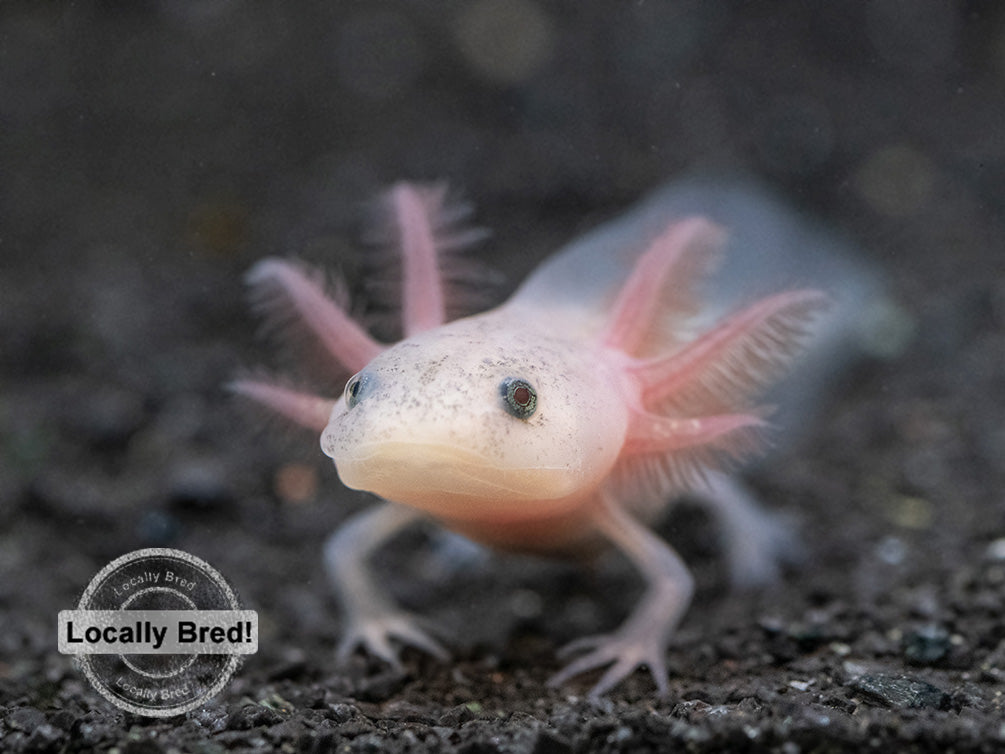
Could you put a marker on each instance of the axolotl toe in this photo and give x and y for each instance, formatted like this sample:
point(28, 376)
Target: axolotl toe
point(564, 420)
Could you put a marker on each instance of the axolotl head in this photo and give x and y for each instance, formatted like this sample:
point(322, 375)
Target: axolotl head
point(475, 418)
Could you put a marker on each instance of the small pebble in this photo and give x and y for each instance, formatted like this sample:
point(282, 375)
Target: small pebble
point(996, 549)
point(926, 645)
point(142, 746)
point(457, 716)
point(199, 484)
point(549, 743)
point(26, 718)
point(900, 692)
point(252, 716)
point(891, 550)
point(910, 512)
point(526, 604)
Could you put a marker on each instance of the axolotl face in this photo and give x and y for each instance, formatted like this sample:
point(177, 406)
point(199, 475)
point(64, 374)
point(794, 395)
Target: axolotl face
point(477, 419)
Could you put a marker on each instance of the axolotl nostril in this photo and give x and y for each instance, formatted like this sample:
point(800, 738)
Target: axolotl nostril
point(571, 415)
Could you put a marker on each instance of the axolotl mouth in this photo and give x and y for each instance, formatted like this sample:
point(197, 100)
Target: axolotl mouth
point(441, 478)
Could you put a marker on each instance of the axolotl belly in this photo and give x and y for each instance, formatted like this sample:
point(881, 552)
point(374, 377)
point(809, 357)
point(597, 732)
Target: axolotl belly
point(563, 420)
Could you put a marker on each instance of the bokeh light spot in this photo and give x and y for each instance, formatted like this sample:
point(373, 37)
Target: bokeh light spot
point(896, 180)
point(505, 41)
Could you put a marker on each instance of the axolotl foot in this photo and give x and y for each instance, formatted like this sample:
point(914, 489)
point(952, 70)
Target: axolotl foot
point(373, 622)
point(375, 634)
point(624, 651)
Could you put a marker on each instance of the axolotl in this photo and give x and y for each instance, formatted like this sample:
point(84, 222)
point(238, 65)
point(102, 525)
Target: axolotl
point(561, 422)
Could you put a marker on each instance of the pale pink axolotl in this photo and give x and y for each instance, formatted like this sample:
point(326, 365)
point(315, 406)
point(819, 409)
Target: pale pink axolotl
point(564, 419)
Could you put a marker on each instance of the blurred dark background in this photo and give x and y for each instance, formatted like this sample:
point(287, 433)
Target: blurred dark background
point(151, 151)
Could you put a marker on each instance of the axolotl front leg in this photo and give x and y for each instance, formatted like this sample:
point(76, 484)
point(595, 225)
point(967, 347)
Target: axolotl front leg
point(643, 637)
point(288, 291)
point(372, 618)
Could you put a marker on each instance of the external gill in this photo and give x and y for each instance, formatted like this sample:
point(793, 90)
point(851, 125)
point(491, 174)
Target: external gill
point(698, 397)
point(288, 291)
point(726, 365)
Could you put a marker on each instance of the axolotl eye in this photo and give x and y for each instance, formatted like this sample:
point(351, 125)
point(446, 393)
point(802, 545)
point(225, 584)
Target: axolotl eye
point(519, 397)
point(357, 388)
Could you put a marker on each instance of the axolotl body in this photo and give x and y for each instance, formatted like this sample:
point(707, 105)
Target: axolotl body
point(560, 422)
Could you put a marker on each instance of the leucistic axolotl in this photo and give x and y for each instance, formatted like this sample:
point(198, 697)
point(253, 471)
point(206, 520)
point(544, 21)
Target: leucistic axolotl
point(560, 422)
